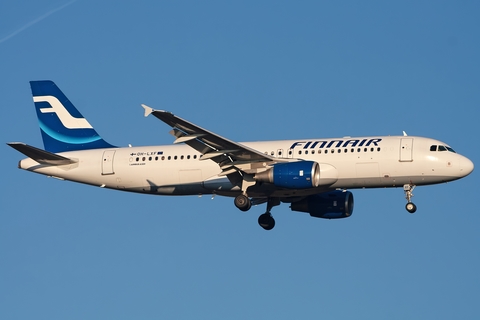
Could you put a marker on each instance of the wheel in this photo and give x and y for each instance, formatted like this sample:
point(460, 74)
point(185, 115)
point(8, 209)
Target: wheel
point(411, 207)
point(266, 221)
point(242, 202)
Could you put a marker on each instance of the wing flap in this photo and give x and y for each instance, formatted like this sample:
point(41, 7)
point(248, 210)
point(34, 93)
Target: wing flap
point(188, 138)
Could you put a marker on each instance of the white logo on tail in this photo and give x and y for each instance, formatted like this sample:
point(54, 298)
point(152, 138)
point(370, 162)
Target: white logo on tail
point(65, 117)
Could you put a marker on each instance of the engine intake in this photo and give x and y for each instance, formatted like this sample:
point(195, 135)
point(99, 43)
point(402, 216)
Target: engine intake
point(329, 205)
point(292, 175)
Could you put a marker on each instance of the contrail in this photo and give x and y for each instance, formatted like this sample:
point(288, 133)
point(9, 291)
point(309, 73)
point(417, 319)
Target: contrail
point(31, 23)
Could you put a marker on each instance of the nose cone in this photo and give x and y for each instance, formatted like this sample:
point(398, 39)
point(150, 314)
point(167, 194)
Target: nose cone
point(466, 166)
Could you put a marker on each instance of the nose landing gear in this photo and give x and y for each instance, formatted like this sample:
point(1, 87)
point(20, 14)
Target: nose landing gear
point(408, 189)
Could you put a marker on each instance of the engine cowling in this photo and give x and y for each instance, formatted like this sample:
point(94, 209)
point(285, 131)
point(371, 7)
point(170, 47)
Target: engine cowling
point(329, 205)
point(292, 175)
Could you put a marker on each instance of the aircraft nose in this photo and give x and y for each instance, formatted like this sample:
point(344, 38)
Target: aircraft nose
point(466, 166)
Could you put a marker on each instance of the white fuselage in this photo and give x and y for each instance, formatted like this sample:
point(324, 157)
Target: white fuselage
point(345, 163)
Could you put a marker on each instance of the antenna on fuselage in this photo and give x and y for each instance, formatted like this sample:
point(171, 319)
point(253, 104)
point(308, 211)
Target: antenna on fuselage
point(405, 134)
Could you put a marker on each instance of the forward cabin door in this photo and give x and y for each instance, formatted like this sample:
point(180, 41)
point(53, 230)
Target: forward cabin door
point(107, 162)
point(406, 149)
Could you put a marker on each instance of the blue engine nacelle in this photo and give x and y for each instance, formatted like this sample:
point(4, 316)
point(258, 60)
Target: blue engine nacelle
point(329, 205)
point(292, 175)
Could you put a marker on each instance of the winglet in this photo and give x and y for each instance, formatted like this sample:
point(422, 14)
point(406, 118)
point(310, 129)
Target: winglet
point(148, 110)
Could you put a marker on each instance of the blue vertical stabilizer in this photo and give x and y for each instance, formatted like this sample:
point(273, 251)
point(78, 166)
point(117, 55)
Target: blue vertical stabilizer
point(63, 127)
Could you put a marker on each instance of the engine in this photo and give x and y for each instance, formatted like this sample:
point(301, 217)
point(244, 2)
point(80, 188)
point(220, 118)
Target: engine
point(292, 175)
point(329, 205)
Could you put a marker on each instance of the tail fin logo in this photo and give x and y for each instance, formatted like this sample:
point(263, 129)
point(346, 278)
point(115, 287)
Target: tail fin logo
point(65, 117)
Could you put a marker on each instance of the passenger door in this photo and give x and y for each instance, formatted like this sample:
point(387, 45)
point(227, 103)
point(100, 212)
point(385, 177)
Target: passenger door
point(107, 162)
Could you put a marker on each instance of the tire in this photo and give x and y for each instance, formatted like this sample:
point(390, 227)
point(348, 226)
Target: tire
point(411, 207)
point(266, 221)
point(242, 202)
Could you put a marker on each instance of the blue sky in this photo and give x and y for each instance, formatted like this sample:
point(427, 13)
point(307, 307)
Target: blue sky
point(250, 70)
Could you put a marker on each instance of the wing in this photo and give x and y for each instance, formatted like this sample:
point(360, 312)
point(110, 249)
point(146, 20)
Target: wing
point(231, 156)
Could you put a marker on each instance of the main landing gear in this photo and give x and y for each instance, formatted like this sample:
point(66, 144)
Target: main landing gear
point(242, 202)
point(408, 188)
point(265, 220)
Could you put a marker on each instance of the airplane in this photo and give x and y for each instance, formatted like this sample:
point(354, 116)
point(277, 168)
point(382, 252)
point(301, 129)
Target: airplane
point(312, 175)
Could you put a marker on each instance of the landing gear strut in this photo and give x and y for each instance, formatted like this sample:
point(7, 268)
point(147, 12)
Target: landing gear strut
point(408, 188)
point(266, 220)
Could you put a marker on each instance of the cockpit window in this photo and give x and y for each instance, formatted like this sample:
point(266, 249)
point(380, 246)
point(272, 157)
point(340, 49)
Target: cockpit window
point(441, 148)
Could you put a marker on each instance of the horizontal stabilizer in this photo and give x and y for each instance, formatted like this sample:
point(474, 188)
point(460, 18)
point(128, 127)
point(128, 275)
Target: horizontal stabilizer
point(39, 155)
